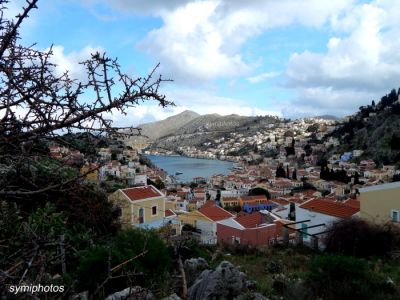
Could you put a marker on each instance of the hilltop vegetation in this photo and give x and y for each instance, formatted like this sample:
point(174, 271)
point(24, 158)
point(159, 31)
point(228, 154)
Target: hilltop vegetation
point(375, 129)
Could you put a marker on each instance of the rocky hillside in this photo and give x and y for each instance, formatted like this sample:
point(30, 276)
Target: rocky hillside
point(375, 129)
point(156, 130)
point(210, 127)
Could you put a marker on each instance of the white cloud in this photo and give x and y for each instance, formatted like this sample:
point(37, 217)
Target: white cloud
point(202, 40)
point(70, 61)
point(190, 44)
point(143, 114)
point(325, 100)
point(262, 77)
point(357, 67)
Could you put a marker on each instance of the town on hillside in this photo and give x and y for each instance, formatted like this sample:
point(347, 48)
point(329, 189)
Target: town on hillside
point(199, 150)
point(282, 189)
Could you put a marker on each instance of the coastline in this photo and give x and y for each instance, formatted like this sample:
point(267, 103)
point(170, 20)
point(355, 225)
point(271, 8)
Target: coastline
point(190, 167)
point(187, 156)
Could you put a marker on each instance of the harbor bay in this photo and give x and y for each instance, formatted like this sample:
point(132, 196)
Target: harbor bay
point(190, 167)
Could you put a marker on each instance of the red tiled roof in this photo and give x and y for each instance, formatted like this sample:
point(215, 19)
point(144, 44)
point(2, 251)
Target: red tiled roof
point(250, 220)
point(169, 213)
point(306, 193)
point(230, 199)
point(336, 209)
point(352, 203)
point(280, 201)
point(252, 198)
point(142, 192)
point(215, 213)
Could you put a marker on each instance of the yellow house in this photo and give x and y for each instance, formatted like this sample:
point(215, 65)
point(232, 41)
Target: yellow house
point(91, 171)
point(381, 203)
point(205, 220)
point(230, 201)
point(142, 206)
point(192, 217)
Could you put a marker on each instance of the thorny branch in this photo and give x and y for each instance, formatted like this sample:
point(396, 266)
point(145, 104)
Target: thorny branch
point(37, 104)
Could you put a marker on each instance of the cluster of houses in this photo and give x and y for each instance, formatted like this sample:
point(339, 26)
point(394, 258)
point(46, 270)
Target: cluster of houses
point(297, 207)
point(304, 215)
point(274, 136)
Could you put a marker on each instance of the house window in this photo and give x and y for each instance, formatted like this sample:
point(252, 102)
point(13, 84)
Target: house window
point(154, 210)
point(141, 216)
point(395, 216)
point(118, 212)
point(235, 240)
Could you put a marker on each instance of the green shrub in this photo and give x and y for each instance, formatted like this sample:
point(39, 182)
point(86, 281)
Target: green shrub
point(359, 238)
point(345, 277)
point(153, 259)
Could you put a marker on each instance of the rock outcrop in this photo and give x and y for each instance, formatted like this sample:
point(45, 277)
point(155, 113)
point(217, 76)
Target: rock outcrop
point(193, 268)
point(132, 293)
point(226, 282)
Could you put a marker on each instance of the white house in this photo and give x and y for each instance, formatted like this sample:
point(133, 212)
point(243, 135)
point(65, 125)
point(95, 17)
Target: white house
point(323, 211)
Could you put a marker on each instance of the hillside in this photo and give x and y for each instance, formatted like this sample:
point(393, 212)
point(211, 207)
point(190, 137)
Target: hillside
point(375, 129)
point(207, 128)
point(156, 130)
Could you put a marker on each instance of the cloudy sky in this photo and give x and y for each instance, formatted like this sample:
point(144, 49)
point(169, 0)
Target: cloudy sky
point(289, 58)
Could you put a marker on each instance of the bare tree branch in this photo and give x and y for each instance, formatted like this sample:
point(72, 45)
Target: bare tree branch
point(37, 105)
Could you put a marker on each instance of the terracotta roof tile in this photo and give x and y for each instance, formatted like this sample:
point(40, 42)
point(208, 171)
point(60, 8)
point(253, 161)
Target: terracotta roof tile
point(250, 220)
point(141, 193)
point(327, 207)
point(353, 203)
point(169, 213)
point(280, 201)
point(215, 213)
point(253, 198)
point(230, 199)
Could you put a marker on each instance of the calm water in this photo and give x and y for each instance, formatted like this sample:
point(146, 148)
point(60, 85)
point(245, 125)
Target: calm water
point(190, 167)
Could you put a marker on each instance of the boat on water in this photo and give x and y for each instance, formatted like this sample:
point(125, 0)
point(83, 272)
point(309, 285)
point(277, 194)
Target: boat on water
point(178, 173)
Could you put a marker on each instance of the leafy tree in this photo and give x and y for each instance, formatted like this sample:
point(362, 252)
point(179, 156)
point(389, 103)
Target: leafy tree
point(259, 191)
point(218, 196)
point(152, 259)
point(193, 185)
point(157, 183)
point(360, 238)
point(313, 128)
point(280, 172)
point(90, 208)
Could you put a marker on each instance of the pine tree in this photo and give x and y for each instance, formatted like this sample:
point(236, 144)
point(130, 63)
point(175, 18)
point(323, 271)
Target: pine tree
point(280, 172)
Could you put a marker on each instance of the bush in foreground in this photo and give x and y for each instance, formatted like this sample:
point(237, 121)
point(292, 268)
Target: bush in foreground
point(360, 238)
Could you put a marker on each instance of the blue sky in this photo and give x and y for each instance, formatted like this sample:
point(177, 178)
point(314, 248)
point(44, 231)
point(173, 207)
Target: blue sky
point(291, 58)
